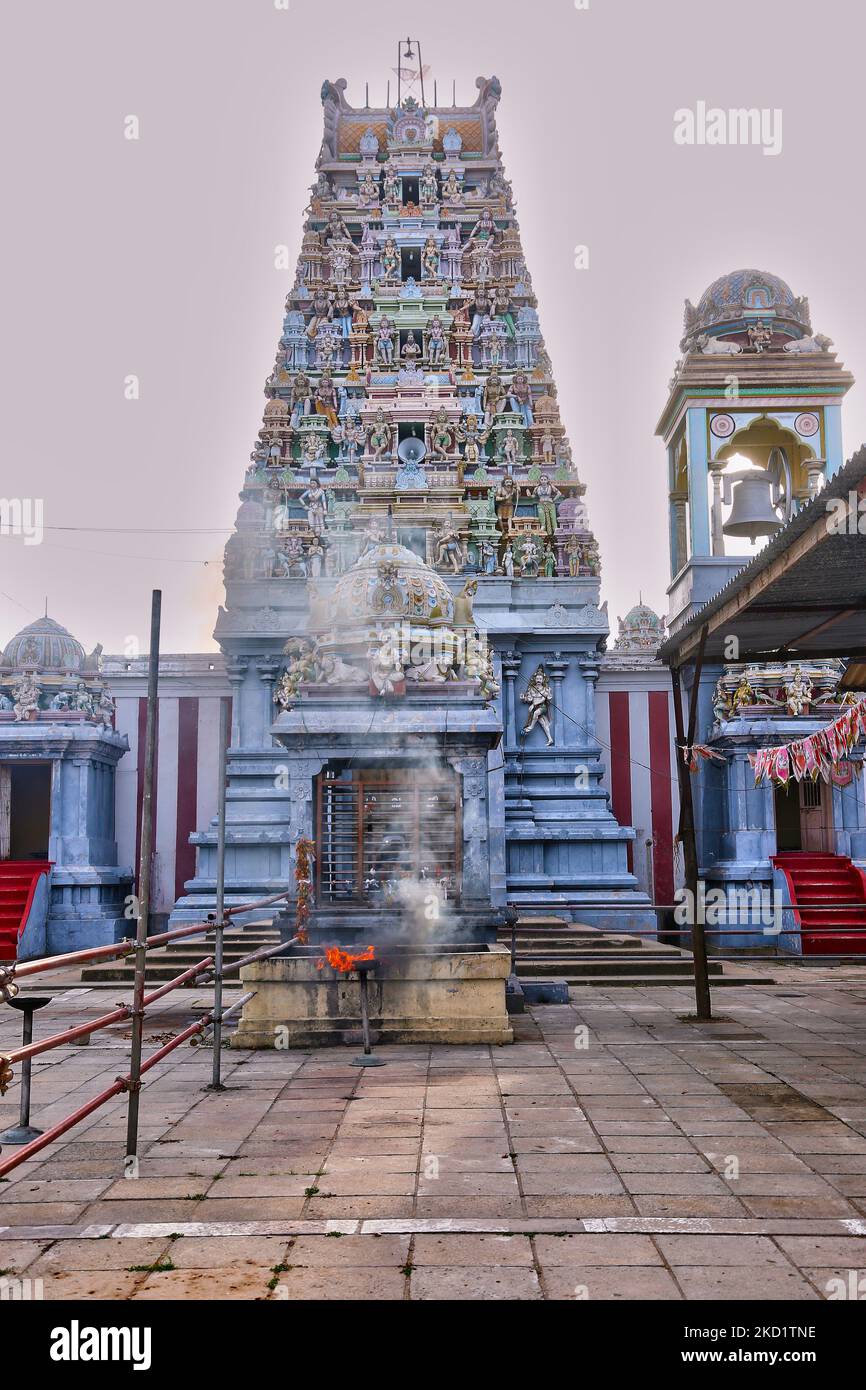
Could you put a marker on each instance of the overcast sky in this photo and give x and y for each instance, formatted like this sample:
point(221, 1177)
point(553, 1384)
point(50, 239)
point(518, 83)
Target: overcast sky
point(156, 257)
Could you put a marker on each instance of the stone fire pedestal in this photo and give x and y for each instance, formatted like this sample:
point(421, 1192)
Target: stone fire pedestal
point(445, 996)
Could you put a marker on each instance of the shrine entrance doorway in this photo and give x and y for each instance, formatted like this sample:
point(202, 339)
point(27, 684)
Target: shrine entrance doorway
point(25, 810)
point(376, 829)
point(804, 818)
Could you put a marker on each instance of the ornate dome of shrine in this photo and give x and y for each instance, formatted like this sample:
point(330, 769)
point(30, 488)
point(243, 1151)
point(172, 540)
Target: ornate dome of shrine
point(390, 582)
point(746, 294)
point(46, 646)
point(640, 630)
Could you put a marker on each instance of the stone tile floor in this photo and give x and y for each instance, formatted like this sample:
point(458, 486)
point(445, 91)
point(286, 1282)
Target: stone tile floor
point(619, 1150)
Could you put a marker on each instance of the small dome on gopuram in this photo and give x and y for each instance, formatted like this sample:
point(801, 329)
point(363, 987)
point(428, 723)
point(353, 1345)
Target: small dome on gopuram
point(44, 646)
point(390, 581)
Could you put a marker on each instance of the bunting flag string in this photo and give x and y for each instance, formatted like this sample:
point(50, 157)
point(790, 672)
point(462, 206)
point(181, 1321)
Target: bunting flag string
point(696, 752)
point(817, 755)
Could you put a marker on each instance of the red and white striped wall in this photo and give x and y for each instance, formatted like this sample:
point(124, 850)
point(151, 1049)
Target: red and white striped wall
point(186, 763)
point(635, 726)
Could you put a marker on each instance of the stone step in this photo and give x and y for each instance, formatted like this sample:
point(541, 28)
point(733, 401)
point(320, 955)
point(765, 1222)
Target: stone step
point(165, 962)
point(625, 965)
point(654, 981)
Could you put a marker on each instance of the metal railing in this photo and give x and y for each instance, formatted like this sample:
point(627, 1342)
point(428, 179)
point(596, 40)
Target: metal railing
point(209, 970)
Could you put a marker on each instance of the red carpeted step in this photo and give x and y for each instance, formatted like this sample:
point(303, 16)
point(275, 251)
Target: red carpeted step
point(827, 891)
point(18, 879)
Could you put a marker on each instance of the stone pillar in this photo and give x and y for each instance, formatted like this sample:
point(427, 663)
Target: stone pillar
point(475, 875)
point(718, 535)
point(236, 669)
point(302, 773)
point(591, 667)
point(556, 669)
point(268, 668)
point(510, 670)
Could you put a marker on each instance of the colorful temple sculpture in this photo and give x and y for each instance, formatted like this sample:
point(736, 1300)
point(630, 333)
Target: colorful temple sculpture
point(752, 427)
point(60, 884)
point(412, 587)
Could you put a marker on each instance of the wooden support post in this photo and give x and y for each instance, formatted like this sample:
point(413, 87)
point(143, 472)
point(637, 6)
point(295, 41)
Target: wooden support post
point(216, 1075)
point(703, 1004)
point(133, 1086)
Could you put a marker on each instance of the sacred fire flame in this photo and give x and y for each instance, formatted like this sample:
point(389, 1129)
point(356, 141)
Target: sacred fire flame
point(344, 961)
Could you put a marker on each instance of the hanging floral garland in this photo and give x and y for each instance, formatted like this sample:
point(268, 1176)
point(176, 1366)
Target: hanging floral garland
point(818, 755)
point(305, 854)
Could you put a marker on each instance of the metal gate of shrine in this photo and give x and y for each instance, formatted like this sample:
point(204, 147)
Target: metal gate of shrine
point(374, 829)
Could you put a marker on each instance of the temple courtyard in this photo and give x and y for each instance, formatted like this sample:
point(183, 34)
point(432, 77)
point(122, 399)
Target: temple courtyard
point(619, 1149)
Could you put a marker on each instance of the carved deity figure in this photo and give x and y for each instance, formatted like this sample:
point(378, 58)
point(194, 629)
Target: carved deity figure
point(449, 550)
point(25, 694)
point(546, 497)
point(437, 342)
point(391, 186)
point(510, 449)
point(484, 229)
point(322, 312)
point(441, 435)
point(430, 259)
point(336, 231)
point(743, 695)
point(494, 396)
point(313, 451)
point(487, 556)
point(300, 667)
point(381, 435)
point(530, 558)
point(798, 693)
point(342, 310)
point(451, 192)
point(520, 400)
point(83, 700)
point(428, 188)
point(482, 308)
point(385, 341)
point(760, 336)
point(326, 399)
point(368, 189)
point(107, 707)
point(474, 437)
point(506, 498)
point(390, 260)
point(315, 502)
point(386, 669)
point(721, 702)
point(302, 393)
point(353, 438)
point(375, 536)
point(410, 351)
point(539, 697)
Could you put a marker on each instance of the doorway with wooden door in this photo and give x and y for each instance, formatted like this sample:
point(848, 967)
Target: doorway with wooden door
point(804, 818)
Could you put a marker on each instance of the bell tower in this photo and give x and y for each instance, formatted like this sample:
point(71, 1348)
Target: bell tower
point(752, 426)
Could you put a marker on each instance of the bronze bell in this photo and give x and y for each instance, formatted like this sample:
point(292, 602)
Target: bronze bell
point(752, 513)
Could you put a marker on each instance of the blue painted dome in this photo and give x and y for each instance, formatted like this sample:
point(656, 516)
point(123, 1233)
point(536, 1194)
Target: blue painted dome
point(746, 294)
point(46, 646)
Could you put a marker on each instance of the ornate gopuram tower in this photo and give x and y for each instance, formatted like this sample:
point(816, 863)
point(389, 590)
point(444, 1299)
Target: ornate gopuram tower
point(412, 625)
